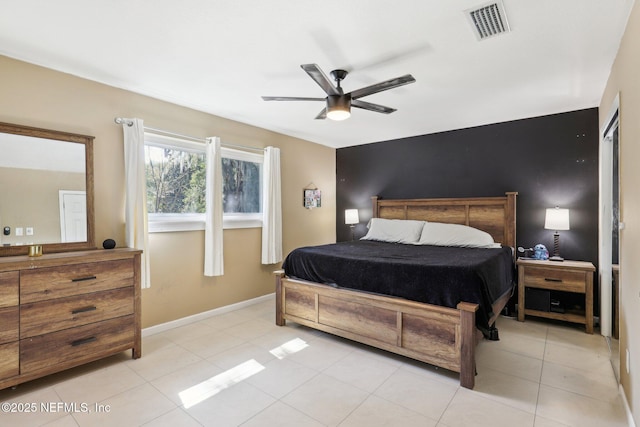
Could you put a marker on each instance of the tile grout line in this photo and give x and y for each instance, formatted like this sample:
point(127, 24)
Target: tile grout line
point(448, 405)
point(372, 393)
point(544, 352)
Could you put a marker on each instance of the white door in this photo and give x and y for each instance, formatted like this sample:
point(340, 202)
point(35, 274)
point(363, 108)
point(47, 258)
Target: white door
point(73, 216)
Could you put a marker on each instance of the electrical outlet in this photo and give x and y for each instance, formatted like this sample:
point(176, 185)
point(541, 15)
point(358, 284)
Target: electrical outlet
point(29, 231)
point(19, 231)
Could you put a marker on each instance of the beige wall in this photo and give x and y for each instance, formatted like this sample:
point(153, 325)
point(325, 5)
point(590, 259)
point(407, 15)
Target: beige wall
point(36, 96)
point(624, 80)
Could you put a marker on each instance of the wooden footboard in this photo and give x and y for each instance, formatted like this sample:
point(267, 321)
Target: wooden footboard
point(441, 336)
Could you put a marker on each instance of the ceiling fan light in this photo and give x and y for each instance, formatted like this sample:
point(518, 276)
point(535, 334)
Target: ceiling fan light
point(338, 114)
point(338, 107)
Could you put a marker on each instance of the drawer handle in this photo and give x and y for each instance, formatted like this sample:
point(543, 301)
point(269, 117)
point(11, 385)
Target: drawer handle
point(546, 279)
point(84, 309)
point(82, 279)
point(83, 341)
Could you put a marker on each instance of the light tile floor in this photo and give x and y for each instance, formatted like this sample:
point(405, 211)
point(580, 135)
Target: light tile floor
point(239, 369)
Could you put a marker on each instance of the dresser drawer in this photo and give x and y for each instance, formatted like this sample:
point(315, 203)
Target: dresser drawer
point(53, 315)
point(56, 282)
point(9, 363)
point(556, 279)
point(79, 344)
point(9, 318)
point(9, 283)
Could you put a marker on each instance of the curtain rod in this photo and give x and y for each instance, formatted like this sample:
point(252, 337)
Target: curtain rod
point(129, 122)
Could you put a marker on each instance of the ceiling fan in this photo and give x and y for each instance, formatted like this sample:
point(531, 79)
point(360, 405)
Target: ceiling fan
point(338, 103)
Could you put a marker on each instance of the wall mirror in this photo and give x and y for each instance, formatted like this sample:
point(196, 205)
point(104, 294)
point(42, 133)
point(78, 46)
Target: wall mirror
point(46, 190)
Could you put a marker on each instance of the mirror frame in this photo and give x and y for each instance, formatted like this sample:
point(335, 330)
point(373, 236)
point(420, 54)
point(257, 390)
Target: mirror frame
point(67, 137)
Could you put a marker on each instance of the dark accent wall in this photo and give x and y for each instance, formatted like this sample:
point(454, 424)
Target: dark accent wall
point(549, 160)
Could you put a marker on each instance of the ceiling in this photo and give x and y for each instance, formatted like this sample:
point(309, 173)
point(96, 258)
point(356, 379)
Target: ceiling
point(221, 56)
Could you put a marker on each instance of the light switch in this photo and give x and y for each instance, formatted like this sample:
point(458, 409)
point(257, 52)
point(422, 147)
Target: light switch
point(29, 231)
point(19, 231)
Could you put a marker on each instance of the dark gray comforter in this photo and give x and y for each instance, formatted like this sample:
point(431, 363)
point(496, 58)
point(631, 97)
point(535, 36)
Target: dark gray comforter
point(436, 275)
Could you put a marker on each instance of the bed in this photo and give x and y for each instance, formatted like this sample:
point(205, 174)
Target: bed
point(444, 333)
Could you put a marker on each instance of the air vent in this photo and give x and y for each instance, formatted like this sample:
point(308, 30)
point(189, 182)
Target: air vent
point(489, 20)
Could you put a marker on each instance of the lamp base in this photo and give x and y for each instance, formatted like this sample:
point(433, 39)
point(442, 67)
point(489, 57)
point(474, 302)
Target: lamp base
point(556, 248)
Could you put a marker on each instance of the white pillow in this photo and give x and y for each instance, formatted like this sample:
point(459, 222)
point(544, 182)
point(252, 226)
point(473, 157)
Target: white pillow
point(394, 230)
point(440, 234)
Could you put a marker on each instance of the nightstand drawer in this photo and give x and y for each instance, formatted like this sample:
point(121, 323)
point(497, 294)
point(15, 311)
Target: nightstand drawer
point(556, 279)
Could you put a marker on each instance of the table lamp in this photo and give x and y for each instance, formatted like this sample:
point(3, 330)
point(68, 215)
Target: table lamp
point(556, 219)
point(351, 218)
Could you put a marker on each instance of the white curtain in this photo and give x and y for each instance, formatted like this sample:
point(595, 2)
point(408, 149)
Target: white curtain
point(272, 208)
point(213, 259)
point(136, 234)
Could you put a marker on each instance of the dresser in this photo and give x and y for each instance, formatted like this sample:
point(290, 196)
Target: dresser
point(65, 309)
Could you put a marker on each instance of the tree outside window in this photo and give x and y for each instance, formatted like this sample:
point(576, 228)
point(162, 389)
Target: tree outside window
point(176, 182)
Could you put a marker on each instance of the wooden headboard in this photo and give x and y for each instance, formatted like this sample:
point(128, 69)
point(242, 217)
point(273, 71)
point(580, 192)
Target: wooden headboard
point(495, 215)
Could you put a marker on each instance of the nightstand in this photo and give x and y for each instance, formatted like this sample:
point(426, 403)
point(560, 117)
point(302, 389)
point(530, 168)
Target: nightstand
point(567, 276)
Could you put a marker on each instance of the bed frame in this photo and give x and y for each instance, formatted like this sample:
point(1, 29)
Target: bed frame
point(441, 336)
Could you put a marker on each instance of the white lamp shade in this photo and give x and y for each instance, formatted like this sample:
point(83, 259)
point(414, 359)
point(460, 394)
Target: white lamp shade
point(351, 216)
point(557, 219)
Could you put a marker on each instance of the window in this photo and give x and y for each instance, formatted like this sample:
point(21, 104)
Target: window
point(175, 177)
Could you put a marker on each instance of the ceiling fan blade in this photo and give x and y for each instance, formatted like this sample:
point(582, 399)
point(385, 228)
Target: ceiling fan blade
point(290, 98)
point(379, 87)
point(371, 107)
point(322, 115)
point(391, 57)
point(319, 77)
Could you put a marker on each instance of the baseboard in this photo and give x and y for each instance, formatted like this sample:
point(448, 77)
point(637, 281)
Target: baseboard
point(630, 420)
point(152, 330)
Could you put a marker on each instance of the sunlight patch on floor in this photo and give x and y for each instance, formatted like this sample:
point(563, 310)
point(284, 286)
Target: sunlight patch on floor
point(290, 347)
point(214, 385)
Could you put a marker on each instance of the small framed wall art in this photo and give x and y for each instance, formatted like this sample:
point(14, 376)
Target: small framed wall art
point(312, 198)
